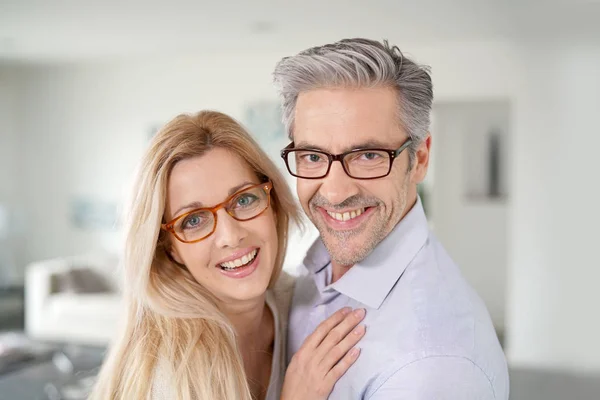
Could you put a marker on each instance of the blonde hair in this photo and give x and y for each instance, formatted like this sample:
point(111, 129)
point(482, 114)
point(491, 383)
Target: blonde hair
point(169, 316)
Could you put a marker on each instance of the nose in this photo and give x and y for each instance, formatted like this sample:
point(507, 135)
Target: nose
point(229, 232)
point(337, 186)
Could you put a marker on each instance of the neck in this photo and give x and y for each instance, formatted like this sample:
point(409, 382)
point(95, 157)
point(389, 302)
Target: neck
point(338, 270)
point(255, 328)
point(250, 320)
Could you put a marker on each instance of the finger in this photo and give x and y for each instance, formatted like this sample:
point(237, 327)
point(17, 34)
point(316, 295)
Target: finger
point(341, 367)
point(341, 349)
point(339, 332)
point(315, 339)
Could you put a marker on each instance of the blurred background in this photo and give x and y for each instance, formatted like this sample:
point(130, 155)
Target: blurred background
point(513, 190)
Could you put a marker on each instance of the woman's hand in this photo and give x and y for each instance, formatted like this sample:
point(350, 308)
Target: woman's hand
point(324, 357)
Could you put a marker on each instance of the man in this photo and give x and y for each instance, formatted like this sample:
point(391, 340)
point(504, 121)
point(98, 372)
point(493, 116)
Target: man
point(358, 115)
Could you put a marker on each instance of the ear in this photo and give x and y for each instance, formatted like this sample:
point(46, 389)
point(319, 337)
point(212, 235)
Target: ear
point(419, 170)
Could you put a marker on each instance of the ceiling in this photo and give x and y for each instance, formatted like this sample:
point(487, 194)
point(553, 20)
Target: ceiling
point(56, 31)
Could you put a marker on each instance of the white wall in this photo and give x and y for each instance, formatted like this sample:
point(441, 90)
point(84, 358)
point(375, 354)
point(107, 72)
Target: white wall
point(470, 70)
point(85, 127)
point(472, 227)
point(553, 297)
point(472, 232)
point(8, 135)
point(10, 148)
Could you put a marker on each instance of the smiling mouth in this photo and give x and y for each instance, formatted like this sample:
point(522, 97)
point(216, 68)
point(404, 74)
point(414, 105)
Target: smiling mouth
point(346, 216)
point(241, 262)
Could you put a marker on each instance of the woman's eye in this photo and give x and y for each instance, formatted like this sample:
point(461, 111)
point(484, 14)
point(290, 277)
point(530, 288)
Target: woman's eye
point(192, 222)
point(245, 200)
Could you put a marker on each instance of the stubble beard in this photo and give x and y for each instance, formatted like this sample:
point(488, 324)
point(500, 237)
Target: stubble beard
point(349, 247)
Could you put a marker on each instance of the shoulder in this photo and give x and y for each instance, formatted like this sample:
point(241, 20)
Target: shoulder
point(441, 307)
point(440, 378)
point(435, 313)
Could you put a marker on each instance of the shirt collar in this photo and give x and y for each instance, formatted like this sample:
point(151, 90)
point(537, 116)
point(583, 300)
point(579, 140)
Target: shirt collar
point(371, 280)
point(317, 257)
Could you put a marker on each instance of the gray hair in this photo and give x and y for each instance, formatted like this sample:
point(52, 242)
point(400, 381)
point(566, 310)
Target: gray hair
point(359, 63)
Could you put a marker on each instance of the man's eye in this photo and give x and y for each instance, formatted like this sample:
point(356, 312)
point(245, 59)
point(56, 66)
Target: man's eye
point(311, 157)
point(371, 156)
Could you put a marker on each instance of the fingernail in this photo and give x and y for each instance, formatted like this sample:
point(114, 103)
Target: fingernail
point(360, 312)
point(346, 310)
point(360, 330)
point(354, 352)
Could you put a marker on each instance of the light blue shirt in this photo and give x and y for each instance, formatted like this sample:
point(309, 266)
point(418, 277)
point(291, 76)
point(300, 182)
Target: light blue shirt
point(429, 336)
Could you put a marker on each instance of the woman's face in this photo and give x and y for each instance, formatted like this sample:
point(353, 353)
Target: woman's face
point(206, 181)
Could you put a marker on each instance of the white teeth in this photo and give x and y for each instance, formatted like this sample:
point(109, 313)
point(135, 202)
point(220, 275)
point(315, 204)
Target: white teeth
point(245, 259)
point(347, 215)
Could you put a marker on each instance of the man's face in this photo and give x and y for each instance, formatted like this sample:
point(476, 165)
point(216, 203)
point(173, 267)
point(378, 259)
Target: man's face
point(353, 215)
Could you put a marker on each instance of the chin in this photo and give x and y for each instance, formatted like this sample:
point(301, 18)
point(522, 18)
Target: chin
point(348, 251)
point(249, 288)
point(249, 293)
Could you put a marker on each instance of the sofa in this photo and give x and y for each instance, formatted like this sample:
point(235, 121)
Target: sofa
point(73, 299)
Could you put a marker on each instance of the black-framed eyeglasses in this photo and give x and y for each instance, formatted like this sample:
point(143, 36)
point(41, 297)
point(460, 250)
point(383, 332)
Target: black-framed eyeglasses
point(358, 164)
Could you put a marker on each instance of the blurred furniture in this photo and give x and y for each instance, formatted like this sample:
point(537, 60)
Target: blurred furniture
point(73, 299)
point(52, 372)
point(17, 351)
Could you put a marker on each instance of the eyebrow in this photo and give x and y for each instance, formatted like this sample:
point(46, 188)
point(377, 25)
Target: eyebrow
point(369, 144)
point(198, 204)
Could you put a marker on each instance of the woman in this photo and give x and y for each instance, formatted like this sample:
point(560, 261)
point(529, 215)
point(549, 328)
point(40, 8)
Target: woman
point(206, 299)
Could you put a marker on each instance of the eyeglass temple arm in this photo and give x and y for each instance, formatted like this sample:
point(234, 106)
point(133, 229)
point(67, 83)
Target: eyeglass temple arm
point(403, 147)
